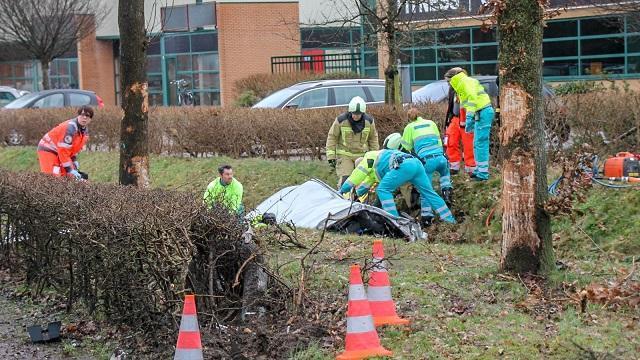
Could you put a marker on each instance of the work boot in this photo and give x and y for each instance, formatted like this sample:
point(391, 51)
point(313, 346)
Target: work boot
point(426, 221)
point(454, 172)
point(447, 196)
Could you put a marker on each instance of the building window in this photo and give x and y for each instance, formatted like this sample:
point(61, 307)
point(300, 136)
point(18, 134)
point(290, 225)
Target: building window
point(602, 46)
point(561, 29)
point(601, 26)
point(22, 75)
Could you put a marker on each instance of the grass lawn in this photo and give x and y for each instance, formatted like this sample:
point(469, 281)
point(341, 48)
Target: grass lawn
point(460, 306)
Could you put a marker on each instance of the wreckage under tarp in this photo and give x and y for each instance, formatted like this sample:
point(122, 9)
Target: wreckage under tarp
point(310, 204)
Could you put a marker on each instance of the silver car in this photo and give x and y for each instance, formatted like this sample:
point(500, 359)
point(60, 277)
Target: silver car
point(324, 94)
point(8, 94)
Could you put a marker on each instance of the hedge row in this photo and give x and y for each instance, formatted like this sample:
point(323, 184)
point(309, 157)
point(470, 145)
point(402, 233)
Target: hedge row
point(124, 252)
point(237, 132)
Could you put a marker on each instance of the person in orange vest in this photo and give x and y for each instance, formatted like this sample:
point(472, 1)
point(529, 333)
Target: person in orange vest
point(455, 123)
point(57, 150)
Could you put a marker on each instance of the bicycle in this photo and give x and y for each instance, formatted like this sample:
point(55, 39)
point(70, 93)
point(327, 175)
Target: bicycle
point(184, 96)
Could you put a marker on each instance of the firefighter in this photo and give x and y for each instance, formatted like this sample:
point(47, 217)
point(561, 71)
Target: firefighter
point(58, 149)
point(479, 116)
point(352, 134)
point(391, 169)
point(422, 137)
point(455, 132)
point(225, 190)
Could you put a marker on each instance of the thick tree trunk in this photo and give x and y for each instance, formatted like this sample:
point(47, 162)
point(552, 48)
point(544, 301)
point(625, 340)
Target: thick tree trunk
point(526, 232)
point(134, 147)
point(45, 74)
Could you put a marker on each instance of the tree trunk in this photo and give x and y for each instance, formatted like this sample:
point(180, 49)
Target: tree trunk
point(526, 232)
point(134, 147)
point(45, 74)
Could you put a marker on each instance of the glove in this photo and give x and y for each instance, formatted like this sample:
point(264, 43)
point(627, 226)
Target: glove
point(468, 127)
point(76, 164)
point(332, 163)
point(75, 174)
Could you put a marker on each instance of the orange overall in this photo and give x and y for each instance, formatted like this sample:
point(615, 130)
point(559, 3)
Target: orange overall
point(453, 135)
point(58, 148)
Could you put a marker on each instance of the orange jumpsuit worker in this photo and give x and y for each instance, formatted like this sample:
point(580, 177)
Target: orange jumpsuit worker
point(58, 148)
point(455, 123)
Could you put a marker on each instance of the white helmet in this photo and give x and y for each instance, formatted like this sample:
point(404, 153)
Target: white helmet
point(393, 142)
point(357, 105)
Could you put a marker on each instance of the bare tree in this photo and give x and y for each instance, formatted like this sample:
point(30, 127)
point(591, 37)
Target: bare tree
point(134, 129)
point(48, 29)
point(526, 227)
point(388, 25)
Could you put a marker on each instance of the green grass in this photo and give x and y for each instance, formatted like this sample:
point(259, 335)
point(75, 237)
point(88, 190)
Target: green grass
point(431, 279)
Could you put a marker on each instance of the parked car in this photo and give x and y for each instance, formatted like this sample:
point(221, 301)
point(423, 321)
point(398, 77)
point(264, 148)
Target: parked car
point(8, 94)
point(324, 94)
point(438, 91)
point(56, 99)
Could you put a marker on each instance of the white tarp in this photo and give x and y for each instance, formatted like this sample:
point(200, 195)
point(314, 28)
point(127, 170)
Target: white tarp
point(308, 205)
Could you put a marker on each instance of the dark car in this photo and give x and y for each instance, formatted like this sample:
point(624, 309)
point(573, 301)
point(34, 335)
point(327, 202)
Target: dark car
point(324, 94)
point(58, 98)
point(438, 91)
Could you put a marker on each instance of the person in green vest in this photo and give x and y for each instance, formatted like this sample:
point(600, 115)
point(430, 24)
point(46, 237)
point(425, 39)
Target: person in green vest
point(225, 190)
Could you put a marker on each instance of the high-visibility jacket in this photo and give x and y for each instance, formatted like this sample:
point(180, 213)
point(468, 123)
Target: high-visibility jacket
point(373, 167)
point(229, 195)
point(342, 141)
point(422, 137)
point(471, 93)
point(65, 140)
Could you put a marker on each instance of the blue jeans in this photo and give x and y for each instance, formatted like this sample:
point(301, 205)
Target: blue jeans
point(412, 171)
point(482, 130)
point(438, 163)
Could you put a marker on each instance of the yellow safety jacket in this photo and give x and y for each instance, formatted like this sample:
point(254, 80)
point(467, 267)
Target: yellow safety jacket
point(343, 142)
point(471, 93)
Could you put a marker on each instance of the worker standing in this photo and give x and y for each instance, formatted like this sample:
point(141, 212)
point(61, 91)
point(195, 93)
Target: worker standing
point(422, 137)
point(455, 123)
point(58, 149)
point(479, 116)
point(391, 169)
point(352, 134)
point(225, 190)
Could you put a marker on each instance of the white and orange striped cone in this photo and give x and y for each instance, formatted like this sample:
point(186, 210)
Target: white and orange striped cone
point(383, 308)
point(362, 339)
point(189, 346)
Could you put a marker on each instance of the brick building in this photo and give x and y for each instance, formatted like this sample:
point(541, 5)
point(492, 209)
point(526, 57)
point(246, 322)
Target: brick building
point(213, 44)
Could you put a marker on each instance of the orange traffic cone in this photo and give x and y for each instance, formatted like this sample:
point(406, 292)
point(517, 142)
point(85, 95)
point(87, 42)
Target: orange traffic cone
point(383, 308)
point(362, 338)
point(189, 346)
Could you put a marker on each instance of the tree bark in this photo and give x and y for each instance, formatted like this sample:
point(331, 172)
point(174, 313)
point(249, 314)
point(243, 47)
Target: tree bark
point(526, 231)
point(44, 64)
point(134, 147)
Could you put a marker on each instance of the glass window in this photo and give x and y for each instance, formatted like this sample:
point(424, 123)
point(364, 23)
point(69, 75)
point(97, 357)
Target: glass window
point(425, 73)
point(560, 68)
point(633, 65)
point(602, 46)
point(601, 26)
point(484, 36)
point(24, 70)
point(485, 53)
point(155, 82)
point(206, 81)
point(424, 38)
point(377, 92)
point(371, 73)
point(344, 94)
point(154, 47)
point(174, 18)
point(560, 48)
point(425, 56)
point(204, 42)
point(202, 15)
point(7, 97)
point(558, 29)
point(6, 70)
point(79, 99)
point(51, 101)
point(370, 60)
point(485, 69)
point(404, 56)
point(154, 64)
point(453, 37)
point(176, 44)
point(205, 62)
point(207, 98)
point(313, 98)
point(444, 68)
point(184, 62)
point(454, 54)
point(155, 99)
point(603, 66)
point(633, 44)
